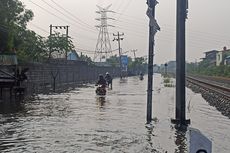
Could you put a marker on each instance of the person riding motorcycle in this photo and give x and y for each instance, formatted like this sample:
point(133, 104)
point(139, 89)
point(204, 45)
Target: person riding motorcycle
point(102, 84)
point(108, 79)
point(141, 76)
point(101, 81)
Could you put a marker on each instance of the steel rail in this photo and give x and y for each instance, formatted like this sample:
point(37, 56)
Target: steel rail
point(225, 91)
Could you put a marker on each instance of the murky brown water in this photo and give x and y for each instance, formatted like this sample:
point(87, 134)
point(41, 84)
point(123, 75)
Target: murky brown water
point(79, 121)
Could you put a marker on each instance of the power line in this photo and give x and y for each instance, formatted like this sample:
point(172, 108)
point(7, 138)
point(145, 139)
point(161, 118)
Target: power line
point(56, 15)
point(81, 21)
point(70, 18)
point(92, 51)
point(197, 37)
point(39, 28)
point(125, 8)
point(140, 21)
point(131, 18)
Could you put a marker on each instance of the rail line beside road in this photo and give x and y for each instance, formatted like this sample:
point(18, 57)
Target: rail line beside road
point(222, 90)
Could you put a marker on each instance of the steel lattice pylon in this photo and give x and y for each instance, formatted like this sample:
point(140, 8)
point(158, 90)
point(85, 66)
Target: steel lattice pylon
point(103, 46)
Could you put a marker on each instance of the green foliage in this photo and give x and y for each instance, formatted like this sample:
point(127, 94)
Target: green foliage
point(167, 82)
point(58, 43)
point(134, 67)
point(204, 68)
point(28, 45)
point(13, 17)
point(138, 65)
point(85, 58)
point(113, 60)
point(32, 47)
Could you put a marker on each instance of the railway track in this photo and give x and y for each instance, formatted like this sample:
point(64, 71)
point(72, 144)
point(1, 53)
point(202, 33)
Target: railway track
point(209, 85)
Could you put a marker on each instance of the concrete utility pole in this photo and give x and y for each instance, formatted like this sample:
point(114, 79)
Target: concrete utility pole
point(182, 6)
point(50, 48)
point(134, 53)
point(153, 28)
point(118, 39)
point(67, 35)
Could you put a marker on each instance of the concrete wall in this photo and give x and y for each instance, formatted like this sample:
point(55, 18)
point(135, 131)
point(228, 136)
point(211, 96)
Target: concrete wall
point(41, 76)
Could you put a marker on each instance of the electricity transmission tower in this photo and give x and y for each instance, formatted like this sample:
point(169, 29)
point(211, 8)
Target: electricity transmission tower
point(103, 46)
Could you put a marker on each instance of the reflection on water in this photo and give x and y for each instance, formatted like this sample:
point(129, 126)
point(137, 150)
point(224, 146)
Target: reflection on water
point(100, 101)
point(8, 107)
point(80, 121)
point(181, 141)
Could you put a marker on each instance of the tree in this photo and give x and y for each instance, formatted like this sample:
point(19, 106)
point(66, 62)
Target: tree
point(13, 17)
point(139, 65)
point(59, 44)
point(134, 67)
point(32, 47)
point(85, 58)
point(113, 60)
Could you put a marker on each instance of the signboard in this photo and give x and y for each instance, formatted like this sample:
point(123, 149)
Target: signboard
point(198, 143)
point(124, 62)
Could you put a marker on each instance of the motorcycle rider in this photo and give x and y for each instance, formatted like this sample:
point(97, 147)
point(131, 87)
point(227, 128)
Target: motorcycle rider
point(101, 81)
point(108, 79)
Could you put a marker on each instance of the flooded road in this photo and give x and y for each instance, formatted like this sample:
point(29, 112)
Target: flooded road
point(80, 121)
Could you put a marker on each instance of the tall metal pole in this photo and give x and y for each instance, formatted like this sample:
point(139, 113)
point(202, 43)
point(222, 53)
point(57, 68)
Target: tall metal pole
point(153, 27)
point(180, 63)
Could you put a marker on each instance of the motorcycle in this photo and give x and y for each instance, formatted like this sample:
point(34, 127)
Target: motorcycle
point(100, 90)
point(141, 77)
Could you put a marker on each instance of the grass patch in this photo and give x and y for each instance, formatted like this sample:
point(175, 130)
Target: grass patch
point(167, 82)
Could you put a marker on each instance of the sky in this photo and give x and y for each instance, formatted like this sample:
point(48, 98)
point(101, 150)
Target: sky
point(207, 26)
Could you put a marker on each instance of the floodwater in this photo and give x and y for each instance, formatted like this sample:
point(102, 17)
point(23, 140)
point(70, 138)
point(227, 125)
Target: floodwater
point(80, 121)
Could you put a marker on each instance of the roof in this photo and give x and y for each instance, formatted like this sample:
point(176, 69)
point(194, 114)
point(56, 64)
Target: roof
point(228, 57)
point(211, 51)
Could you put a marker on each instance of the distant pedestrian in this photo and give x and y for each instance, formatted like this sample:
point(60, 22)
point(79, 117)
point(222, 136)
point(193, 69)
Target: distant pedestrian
point(109, 80)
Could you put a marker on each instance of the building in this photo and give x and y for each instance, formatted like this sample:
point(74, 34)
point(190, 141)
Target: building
point(222, 57)
point(73, 56)
point(210, 57)
point(227, 60)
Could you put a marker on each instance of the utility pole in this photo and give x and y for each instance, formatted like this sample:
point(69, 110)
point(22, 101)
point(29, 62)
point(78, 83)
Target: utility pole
point(153, 28)
point(134, 53)
point(66, 35)
point(166, 69)
point(182, 6)
point(50, 48)
point(118, 39)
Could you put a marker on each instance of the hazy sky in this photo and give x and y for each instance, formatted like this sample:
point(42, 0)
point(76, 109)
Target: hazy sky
point(208, 25)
